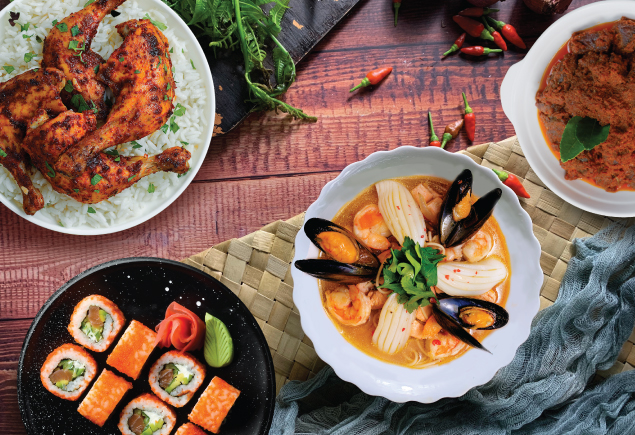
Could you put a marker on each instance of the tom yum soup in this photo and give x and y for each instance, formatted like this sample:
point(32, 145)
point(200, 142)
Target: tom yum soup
point(413, 271)
point(586, 105)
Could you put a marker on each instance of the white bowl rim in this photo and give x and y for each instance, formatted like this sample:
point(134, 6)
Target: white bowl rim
point(349, 362)
point(199, 57)
point(518, 92)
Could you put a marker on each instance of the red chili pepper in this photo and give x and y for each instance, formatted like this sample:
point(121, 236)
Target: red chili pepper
point(396, 4)
point(451, 132)
point(477, 12)
point(457, 45)
point(511, 181)
point(473, 27)
point(508, 32)
point(470, 119)
point(477, 50)
point(373, 77)
point(434, 139)
point(498, 39)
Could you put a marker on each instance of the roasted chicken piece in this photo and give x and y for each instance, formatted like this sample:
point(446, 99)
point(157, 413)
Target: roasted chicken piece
point(139, 73)
point(106, 175)
point(67, 48)
point(20, 99)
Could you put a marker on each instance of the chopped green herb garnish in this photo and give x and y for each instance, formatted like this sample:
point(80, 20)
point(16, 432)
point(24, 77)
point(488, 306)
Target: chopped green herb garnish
point(183, 174)
point(192, 62)
point(173, 125)
point(112, 152)
point(165, 128)
point(118, 159)
point(172, 50)
point(89, 2)
point(8, 68)
point(62, 27)
point(151, 188)
point(51, 172)
point(96, 69)
point(75, 45)
point(69, 86)
point(79, 103)
point(135, 144)
point(29, 56)
point(76, 190)
point(165, 97)
point(130, 179)
point(137, 71)
point(165, 67)
point(75, 30)
point(159, 25)
point(184, 143)
point(24, 27)
point(38, 39)
point(96, 190)
point(61, 224)
point(96, 179)
point(180, 110)
point(411, 272)
point(121, 59)
point(91, 210)
point(2, 153)
point(54, 22)
point(168, 87)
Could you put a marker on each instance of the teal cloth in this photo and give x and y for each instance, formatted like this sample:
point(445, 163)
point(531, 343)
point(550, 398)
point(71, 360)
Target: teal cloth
point(544, 390)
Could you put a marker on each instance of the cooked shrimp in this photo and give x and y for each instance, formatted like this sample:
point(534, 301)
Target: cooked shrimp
point(365, 287)
point(455, 253)
point(377, 299)
point(348, 305)
point(423, 313)
point(428, 329)
point(477, 247)
point(429, 202)
point(444, 345)
point(370, 227)
point(490, 296)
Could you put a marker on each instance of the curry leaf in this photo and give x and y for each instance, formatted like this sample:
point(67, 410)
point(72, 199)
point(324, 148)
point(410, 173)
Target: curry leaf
point(158, 24)
point(62, 27)
point(581, 134)
point(2, 153)
point(51, 172)
point(69, 86)
point(8, 68)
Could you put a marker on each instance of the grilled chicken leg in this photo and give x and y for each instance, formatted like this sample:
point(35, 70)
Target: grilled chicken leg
point(139, 73)
point(105, 176)
point(73, 56)
point(20, 99)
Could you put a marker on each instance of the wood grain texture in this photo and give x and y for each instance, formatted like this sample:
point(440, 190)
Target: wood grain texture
point(270, 168)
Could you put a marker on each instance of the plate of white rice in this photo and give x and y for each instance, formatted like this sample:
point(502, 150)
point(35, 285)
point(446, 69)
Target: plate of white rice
point(194, 92)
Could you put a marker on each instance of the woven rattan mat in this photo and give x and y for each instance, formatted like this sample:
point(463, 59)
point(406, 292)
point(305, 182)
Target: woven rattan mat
point(257, 267)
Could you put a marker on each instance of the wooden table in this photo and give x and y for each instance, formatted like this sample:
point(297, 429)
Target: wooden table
point(271, 168)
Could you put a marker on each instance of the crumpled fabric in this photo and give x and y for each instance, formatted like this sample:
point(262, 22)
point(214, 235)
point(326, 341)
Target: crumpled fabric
point(544, 390)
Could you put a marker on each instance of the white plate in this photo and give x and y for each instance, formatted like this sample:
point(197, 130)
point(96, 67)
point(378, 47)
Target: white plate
point(155, 207)
point(401, 384)
point(518, 96)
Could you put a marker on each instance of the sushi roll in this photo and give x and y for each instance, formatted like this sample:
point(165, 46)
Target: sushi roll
point(133, 349)
point(214, 404)
point(103, 397)
point(67, 371)
point(190, 429)
point(95, 322)
point(175, 377)
point(147, 415)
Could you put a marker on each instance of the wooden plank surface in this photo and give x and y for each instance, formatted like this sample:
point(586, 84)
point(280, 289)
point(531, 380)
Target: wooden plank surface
point(270, 168)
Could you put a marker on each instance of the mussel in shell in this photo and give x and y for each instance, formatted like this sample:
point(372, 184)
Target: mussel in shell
point(349, 261)
point(457, 314)
point(459, 218)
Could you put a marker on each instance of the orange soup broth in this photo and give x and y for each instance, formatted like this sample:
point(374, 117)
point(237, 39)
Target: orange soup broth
point(564, 50)
point(361, 336)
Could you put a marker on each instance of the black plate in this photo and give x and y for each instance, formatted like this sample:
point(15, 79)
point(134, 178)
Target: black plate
point(143, 288)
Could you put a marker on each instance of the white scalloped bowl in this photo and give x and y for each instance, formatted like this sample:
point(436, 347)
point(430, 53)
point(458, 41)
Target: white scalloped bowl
point(518, 97)
point(401, 384)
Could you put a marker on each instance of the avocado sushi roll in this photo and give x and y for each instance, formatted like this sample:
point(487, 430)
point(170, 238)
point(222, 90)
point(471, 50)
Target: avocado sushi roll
point(175, 377)
point(95, 322)
point(67, 371)
point(147, 415)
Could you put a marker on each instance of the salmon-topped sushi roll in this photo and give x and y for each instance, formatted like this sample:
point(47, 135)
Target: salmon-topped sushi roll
point(67, 371)
point(103, 397)
point(214, 404)
point(147, 415)
point(133, 349)
point(175, 377)
point(95, 322)
point(190, 429)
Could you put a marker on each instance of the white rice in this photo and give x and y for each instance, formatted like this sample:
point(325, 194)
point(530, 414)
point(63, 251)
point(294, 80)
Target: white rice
point(190, 93)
